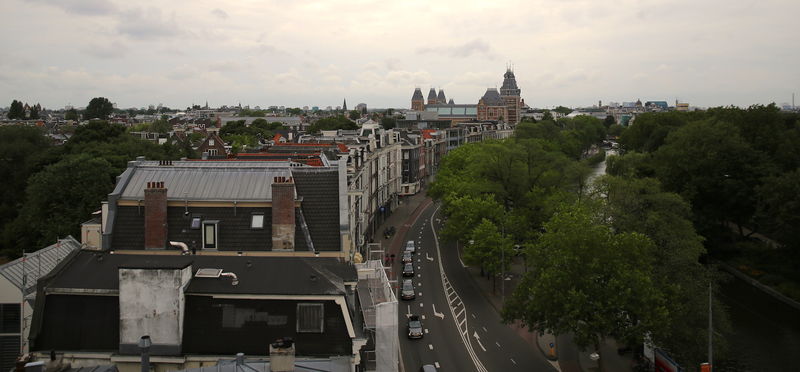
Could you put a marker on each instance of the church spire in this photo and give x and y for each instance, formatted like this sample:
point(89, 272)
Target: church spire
point(344, 105)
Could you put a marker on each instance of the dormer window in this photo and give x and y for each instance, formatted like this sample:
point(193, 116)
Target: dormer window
point(211, 142)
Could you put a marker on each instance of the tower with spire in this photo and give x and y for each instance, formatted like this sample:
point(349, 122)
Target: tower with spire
point(432, 97)
point(511, 96)
point(441, 99)
point(417, 100)
point(344, 105)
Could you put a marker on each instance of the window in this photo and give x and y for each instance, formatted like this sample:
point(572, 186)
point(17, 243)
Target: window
point(10, 316)
point(211, 142)
point(309, 318)
point(257, 221)
point(212, 152)
point(195, 223)
point(210, 234)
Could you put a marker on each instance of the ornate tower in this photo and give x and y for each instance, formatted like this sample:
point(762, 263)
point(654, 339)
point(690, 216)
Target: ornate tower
point(441, 99)
point(510, 93)
point(417, 101)
point(432, 97)
point(344, 105)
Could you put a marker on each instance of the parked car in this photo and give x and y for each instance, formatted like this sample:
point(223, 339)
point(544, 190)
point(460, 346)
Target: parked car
point(407, 257)
point(408, 270)
point(410, 246)
point(427, 368)
point(414, 327)
point(407, 292)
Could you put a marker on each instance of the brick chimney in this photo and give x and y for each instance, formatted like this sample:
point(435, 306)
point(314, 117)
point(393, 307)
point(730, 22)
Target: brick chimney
point(155, 216)
point(283, 214)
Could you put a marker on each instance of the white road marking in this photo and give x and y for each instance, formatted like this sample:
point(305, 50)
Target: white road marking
point(419, 275)
point(512, 361)
point(409, 310)
point(497, 343)
point(426, 331)
point(473, 316)
point(419, 267)
point(429, 258)
point(440, 315)
point(430, 346)
point(423, 317)
point(446, 283)
point(484, 329)
point(420, 304)
point(460, 312)
point(478, 339)
point(420, 293)
point(436, 364)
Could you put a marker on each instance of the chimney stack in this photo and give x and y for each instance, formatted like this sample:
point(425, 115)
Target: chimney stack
point(283, 225)
point(281, 355)
point(155, 216)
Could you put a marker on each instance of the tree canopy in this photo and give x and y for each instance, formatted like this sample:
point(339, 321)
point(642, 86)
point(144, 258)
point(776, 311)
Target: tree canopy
point(332, 123)
point(98, 108)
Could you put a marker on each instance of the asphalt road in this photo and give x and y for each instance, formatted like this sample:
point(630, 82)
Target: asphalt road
point(463, 332)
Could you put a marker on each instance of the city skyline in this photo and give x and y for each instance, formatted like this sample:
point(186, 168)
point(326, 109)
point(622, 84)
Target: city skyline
point(573, 53)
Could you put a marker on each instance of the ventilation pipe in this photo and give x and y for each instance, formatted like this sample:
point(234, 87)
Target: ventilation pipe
point(184, 248)
point(234, 278)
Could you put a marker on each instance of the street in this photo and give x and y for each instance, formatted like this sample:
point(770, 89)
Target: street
point(462, 331)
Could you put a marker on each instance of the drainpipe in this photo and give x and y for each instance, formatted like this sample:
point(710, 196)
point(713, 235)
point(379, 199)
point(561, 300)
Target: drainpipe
point(144, 346)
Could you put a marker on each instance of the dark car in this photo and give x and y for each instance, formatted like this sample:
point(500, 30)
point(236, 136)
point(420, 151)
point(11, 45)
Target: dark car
point(407, 292)
point(427, 368)
point(414, 326)
point(408, 270)
point(407, 258)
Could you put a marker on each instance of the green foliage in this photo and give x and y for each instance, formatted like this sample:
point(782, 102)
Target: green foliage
point(354, 115)
point(62, 195)
point(295, 111)
point(388, 122)
point(332, 123)
point(21, 148)
point(778, 208)
point(98, 108)
point(16, 110)
point(563, 110)
point(711, 165)
point(252, 113)
point(71, 114)
point(609, 121)
point(488, 248)
point(585, 279)
point(240, 135)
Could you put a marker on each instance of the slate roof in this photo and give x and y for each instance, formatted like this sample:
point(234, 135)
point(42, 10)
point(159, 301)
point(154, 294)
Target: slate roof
point(492, 98)
point(37, 264)
point(441, 98)
point(417, 95)
point(98, 270)
point(200, 180)
point(432, 94)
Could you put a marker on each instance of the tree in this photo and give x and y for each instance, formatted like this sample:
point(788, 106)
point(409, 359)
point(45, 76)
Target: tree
point(34, 111)
point(609, 121)
point(16, 111)
point(332, 123)
point(562, 110)
point(98, 108)
point(61, 196)
point(354, 115)
point(388, 122)
point(161, 126)
point(71, 114)
point(709, 163)
point(587, 280)
point(778, 208)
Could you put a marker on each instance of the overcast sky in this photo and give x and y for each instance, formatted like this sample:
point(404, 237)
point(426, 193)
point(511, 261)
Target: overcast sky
point(315, 53)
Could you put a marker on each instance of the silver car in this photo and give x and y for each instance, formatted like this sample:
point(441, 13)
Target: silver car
point(414, 326)
point(410, 246)
point(407, 293)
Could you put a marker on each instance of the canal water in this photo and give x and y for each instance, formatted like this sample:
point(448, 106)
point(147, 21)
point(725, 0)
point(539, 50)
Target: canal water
point(766, 331)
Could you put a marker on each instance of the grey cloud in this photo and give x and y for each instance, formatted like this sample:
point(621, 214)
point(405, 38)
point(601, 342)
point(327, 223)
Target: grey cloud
point(476, 46)
point(147, 24)
point(220, 13)
point(105, 51)
point(82, 7)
